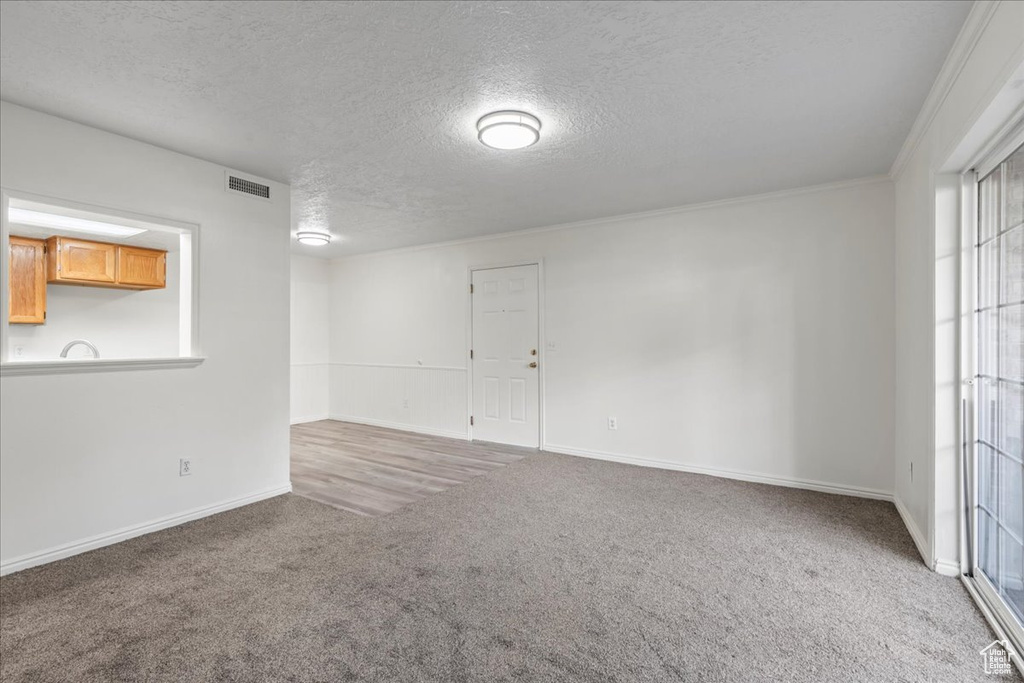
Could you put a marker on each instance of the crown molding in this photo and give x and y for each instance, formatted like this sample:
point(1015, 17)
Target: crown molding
point(977, 20)
point(675, 210)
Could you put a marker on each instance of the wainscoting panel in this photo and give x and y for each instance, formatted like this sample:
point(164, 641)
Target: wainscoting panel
point(309, 400)
point(424, 399)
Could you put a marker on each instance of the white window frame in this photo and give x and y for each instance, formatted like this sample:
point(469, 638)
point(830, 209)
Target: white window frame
point(978, 585)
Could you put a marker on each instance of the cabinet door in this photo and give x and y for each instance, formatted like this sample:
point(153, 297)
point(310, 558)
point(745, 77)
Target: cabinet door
point(143, 268)
point(27, 284)
point(84, 261)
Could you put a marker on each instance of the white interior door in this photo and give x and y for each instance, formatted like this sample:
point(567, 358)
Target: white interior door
point(505, 356)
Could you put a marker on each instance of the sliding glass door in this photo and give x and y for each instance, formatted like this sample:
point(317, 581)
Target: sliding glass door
point(998, 515)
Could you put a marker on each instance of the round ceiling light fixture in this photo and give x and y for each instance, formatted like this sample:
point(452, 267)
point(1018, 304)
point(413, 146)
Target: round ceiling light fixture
point(316, 239)
point(508, 129)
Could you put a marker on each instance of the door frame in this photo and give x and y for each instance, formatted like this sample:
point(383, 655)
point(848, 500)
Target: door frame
point(541, 343)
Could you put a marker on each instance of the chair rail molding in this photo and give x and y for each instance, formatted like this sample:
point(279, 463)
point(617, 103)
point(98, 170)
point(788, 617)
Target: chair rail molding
point(424, 398)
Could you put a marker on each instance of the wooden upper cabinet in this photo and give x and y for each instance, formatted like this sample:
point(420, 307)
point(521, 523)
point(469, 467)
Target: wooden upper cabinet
point(27, 285)
point(81, 261)
point(101, 264)
point(141, 267)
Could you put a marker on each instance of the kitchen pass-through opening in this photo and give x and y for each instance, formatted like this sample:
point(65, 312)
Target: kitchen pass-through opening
point(91, 286)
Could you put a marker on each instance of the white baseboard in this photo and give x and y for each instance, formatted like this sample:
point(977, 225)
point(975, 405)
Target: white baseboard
point(947, 567)
point(916, 535)
point(462, 436)
point(811, 485)
point(309, 418)
point(76, 547)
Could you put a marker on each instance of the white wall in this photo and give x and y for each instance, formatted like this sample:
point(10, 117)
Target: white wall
point(309, 337)
point(121, 323)
point(752, 336)
point(926, 286)
point(90, 458)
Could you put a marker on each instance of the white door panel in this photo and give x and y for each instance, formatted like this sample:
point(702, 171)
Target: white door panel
point(506, 390)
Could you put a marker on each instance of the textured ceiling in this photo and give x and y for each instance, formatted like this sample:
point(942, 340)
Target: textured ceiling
point(368, 109)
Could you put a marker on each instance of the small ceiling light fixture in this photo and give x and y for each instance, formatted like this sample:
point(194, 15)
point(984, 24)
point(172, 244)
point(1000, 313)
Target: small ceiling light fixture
point(508, 129)
point(316, 239)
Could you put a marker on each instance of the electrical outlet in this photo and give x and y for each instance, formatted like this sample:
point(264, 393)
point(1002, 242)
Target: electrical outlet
point(19, 351)
point(405, 403)
point(184, 467)
point(613, 423)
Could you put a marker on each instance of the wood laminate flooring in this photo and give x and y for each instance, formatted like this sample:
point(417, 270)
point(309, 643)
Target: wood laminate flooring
point(373, 471)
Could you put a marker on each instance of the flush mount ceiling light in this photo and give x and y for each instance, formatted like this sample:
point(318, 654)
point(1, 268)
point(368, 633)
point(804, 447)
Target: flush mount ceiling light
point(508, 129)
point(69, 223)
point(316, 239)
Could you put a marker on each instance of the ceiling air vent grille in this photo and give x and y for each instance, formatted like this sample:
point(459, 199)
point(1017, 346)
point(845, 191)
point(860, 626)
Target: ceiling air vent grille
point(247, 187)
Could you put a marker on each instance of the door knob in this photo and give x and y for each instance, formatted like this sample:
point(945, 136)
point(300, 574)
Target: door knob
point(533, 365)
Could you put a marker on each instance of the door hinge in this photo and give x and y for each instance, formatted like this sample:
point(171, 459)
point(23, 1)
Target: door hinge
point(471, 354)
point(470, 420)
point(471, 289)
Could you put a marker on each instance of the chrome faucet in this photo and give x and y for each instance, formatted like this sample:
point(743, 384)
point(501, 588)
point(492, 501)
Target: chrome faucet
point(83, 342)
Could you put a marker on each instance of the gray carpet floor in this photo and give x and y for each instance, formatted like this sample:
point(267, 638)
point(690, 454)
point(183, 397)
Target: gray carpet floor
point(552, 569)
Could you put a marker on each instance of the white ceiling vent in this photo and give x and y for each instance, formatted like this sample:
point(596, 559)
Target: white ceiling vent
point(250, 187)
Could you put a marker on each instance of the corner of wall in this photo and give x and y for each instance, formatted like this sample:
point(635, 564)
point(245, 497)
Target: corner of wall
point(920, 540)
